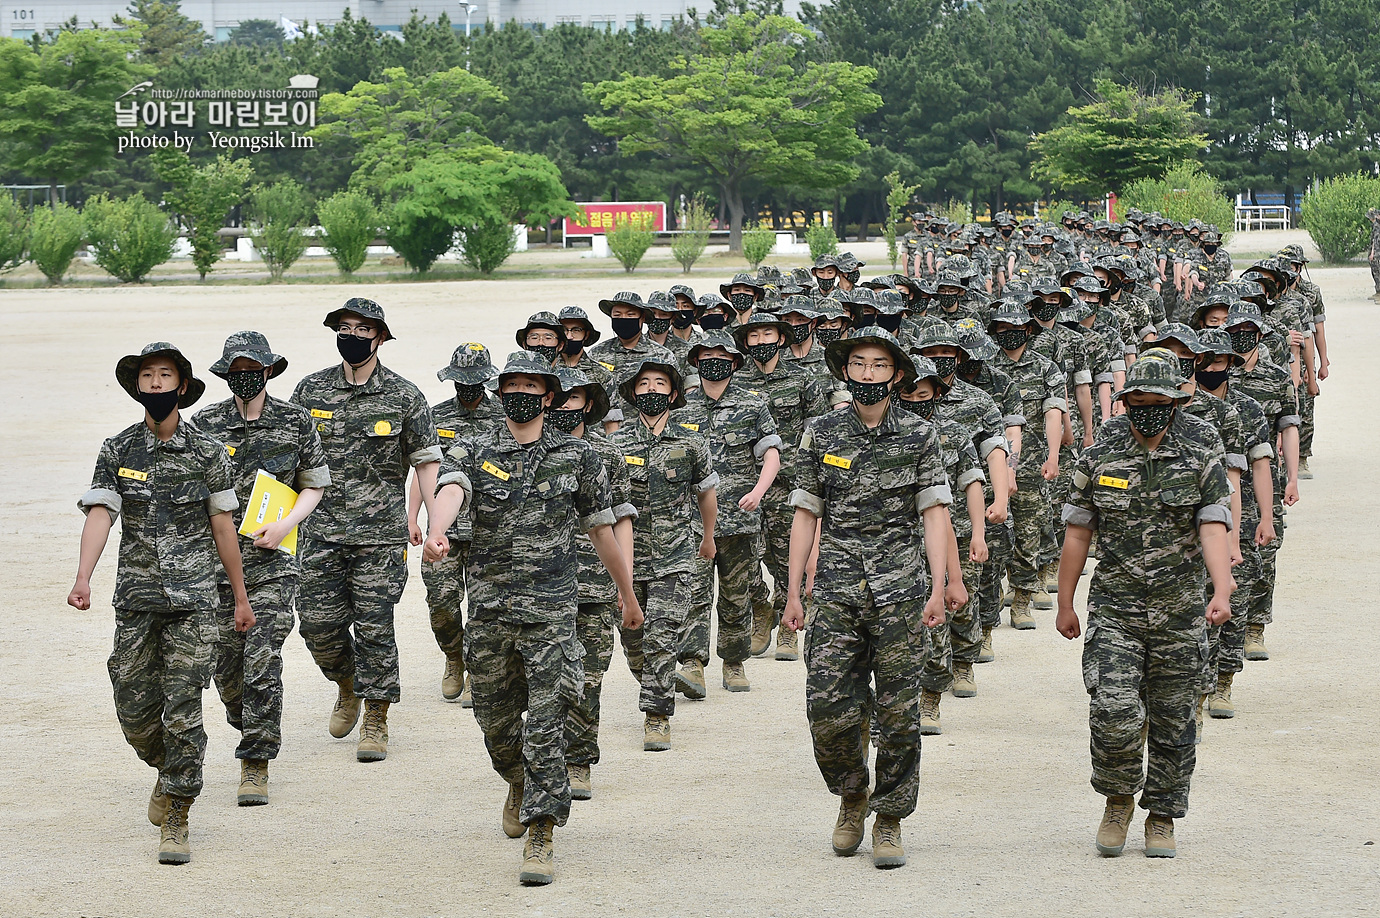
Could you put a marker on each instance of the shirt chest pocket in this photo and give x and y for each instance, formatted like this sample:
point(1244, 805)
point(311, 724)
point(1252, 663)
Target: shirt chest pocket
point(136, 497)
point(676, 470)
point(894, 476)
point(187, 508)
point(379, 429)
point(491, 497)
point(280, 463)
point(556, 493)
point(1112, 492)
point(1179, 489)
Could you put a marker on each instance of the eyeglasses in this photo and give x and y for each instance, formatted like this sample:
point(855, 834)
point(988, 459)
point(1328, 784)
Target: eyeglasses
point(862, 366)
point(357, 331)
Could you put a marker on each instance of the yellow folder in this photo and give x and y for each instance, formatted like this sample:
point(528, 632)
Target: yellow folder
point(271, 501)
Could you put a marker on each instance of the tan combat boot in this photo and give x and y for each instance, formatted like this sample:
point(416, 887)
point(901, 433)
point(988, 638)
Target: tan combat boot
point(929, 713)
point(346, 712)
point(886, 843)
point(1116, 819)
point(466, 699)
point(453, 679)
point(787, 643)
point(373, 735)
point(762, 623)
point(1221, 707)
point(1305, 473)
point(158, 802)
point(538, 853)
point(690, 680)
point(735, 678)
point(965, 686)
point(174, 844)
point(848, 829)
point(1159, 836)
point(656, 733)
point(253, 782)
point(1042, 598)
point(512, 810)
point(1255, 643)
point(580, 786)
point(987, 654)
point(1021, 619)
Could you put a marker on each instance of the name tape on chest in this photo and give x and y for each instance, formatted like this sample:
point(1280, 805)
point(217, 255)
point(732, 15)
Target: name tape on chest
point(318, 413)
point(1107, 481)
point(635, 460)
point(448, 434)
point(837, 461)
point(230, 450)
point(694, 427)
point(607, 366)
point(133, 474)
point(495, 471)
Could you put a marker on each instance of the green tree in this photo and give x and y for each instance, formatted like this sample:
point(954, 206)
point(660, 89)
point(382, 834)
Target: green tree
point(165, 34)
point(1334, 213)
point(757, 243)
point(897, 197)
point(257, 33)
point(1183, 193)
point(351, 222)
point(689, 244)
point(54, 237)
point(201, 197)
point(754, 102)
point(486, 244)
point(130, 237)
point(278, 224)
point(628, 242)
point(1121, 137)
point(419, 238)
point(822, 240)
point(14, 233)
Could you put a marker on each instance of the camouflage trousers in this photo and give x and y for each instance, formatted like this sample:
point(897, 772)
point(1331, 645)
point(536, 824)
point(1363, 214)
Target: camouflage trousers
point(847, 650)
point(1375, 273)
point(1134, 672)
point(1030, 521)
point(1307, 408)
point(346, 607)
point(1260, 603)
point(534, 668)
point(1227, 642)
point(735, 561)
point(159, 666)
point(594, 624)
point(1000, 545)
point(445, 595)
point(959, 639)
point(249, 666)
point(651, 650)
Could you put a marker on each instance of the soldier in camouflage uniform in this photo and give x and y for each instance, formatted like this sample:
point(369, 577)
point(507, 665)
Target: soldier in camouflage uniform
point(471, 410)
point(683, 318)
point(744, 294)
point(1154, 489)
point(375, 425)
point(174, 489)
point(662, 310)
point(1315, 363)
point(826, 273)
point(529, 487)
point(580, 335)
point(631, 345)
point(260, 432)
point(868, 479)
point(746, 453)
point(1373, 253)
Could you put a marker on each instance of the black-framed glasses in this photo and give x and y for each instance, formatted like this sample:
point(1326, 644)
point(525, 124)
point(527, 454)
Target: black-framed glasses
point(356, 331)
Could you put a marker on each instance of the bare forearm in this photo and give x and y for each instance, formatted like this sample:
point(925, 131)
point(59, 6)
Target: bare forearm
point(1234, 476)
point(1262, 483)
point(976, 508)
point(426, 479)
point(94, 533)
point(1054, 431)
point(938, 535)
point(709, 510)
point(803, 527)
point(1216, 556)
point(623, 532)
point(998, 472)
point(611, 555)
point(1082, 394)
point(445, 507)
point(307, 501)
point(228, 547)
point(771, 465)
point(1074, 556)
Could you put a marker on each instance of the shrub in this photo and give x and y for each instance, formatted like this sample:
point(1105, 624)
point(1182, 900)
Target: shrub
point(351, 222)
point(1053, 212)
point(628, 242)
point(757, 244)
point(54, 237)
point(129, 238)
point(14, 233)
point(690, 243)
point(487, 244)
point(201, 196)
point(897, 197)
point(1185, 193)
point(821, 240)
point(278, 224)
point(419, 239)
point(956, 211)
point(1334, 214)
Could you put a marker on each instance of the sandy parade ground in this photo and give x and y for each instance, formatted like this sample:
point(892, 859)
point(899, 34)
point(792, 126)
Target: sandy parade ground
point(735, 820)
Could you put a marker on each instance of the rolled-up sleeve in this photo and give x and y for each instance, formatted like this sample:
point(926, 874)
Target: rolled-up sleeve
point(319, 477)
point(1260, 451)
point(624, 512)
point(1078, 516)
point(425, 455)
point(939, 495)
point(970, 476)
point(1236, 461)
point(804, 500)
point(222, 502)
point(597, 518)
point(1213, 513)
point(1082, 378)
point(768, 442)
point(1286, 421)
point(1055, 401)
point(101, 497)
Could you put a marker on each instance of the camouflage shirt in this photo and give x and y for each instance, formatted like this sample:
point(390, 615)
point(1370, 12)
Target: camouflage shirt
point(1003, 392)
point(961, 466)
point(1224, 419)
point(164, 494)
point(740, 430)
point(454, 422)
point(596, 583)
point(616, 358)
point(978, 415)
point(1273, 389)
point(283, 442)
point(813, 363)
point(526, 504)
point(869, 488)
point(1259, 444)
point(601, 374)
point(1041, 387)
point(373, 433)
point(794, 396)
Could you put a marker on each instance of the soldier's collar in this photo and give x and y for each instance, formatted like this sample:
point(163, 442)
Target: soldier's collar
point(373, 384)
point(177, 442)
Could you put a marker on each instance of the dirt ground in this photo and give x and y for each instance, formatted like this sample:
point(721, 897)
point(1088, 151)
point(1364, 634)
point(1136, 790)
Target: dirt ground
point(735, 820)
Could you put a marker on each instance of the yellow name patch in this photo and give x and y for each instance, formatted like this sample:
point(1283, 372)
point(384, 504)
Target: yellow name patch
point(383, 428)
point(448, 434)
point(318, 413)
point(133, 473)
point(230, 450)
point(495, 471)
point(1110, 482)
point(607, 366)
point(839, 461)
point(694, 427)
point(635, 460)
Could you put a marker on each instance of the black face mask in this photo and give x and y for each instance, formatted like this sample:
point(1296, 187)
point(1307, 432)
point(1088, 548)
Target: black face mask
point(1007, 231)
point(683, 319)
point(1244, 341)
point(1012, 339)
point(573, 346)
point(891, 323)
point(826, 284)
point(1071, 326)
point(355, 351)
point(469, 394)
point(1186, 366)
point(969, 368)
point(566, 419)
point(918, 304)
point(715, 369)
point(547, 352)
point(159, 404)
point(1212, 379)
point(763, 353)
point(869, 393)
point(1149, 420)
point(945, 366)
point(947, 301)
point(1209, 250)
point(1047, 312)
point(800, 333)
point(521, 407)
point(923, 408)
point(653, 404)
point(713, 321)
point(853, 277)
point(742, 302)
point(246, 383)
point(827, 336)
point(627, 328)
point(659, 326)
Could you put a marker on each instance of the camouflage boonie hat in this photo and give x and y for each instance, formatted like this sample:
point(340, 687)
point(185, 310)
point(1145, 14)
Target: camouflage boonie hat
point(253, 346)
point(1155, 373)
point(889, 302)
point(365, 309)
point(746, 280)
point(799, 304)
point(972, 337)
point(830, 308)
point(709, 301)
point(925, 369)
point(629, 380)
point(531, 364)
point(715, 339)
point(802, 277)
point(836, 354)
point(883, 282)
point(1294, 254)
point(1245, 314)
point(1174, 331)
point(761, 320)
point(1011, 312)
point(576, 314)
point(769, 275)
point(848, 262)
point(1218, 297)
point(660, 299)
point(1089, 283)
point(470, 365)
point(682, 290)
point(937, 333)
point(948, 278)
point(127, 372)
point(540, 320)
point(1075, 313)
point(622, 298)
point(597, 397)
point(1217, 343)
point(960, 265)
point(825, 261)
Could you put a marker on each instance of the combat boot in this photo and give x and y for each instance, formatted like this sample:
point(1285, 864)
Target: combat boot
point(1198, 719)
point(1159, 836)
point(453, 679)
point(1049, 576)
point(656, 733)
point(787, 644)
point(1041, 598)
point(735, 678)
point(965, 686)
point(690, 680)
point(762, 623)
point(1255, 643)
point(346, 712)
point(253, 782)
point(886, 842)
point(158, 802)
point(512, 809)
point(373, 735)
point(1021, 619)
point(174, 843)
point(929, 713)
point(1305, 473)
point(987, 654)
point(1220, 707)
point(580, 786)
point(466, 698)
point(1116, 819)
point(538, 853)
point(848, 829)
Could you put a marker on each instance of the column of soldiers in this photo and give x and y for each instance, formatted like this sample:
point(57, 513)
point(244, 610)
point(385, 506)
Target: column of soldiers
point(786, 451)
